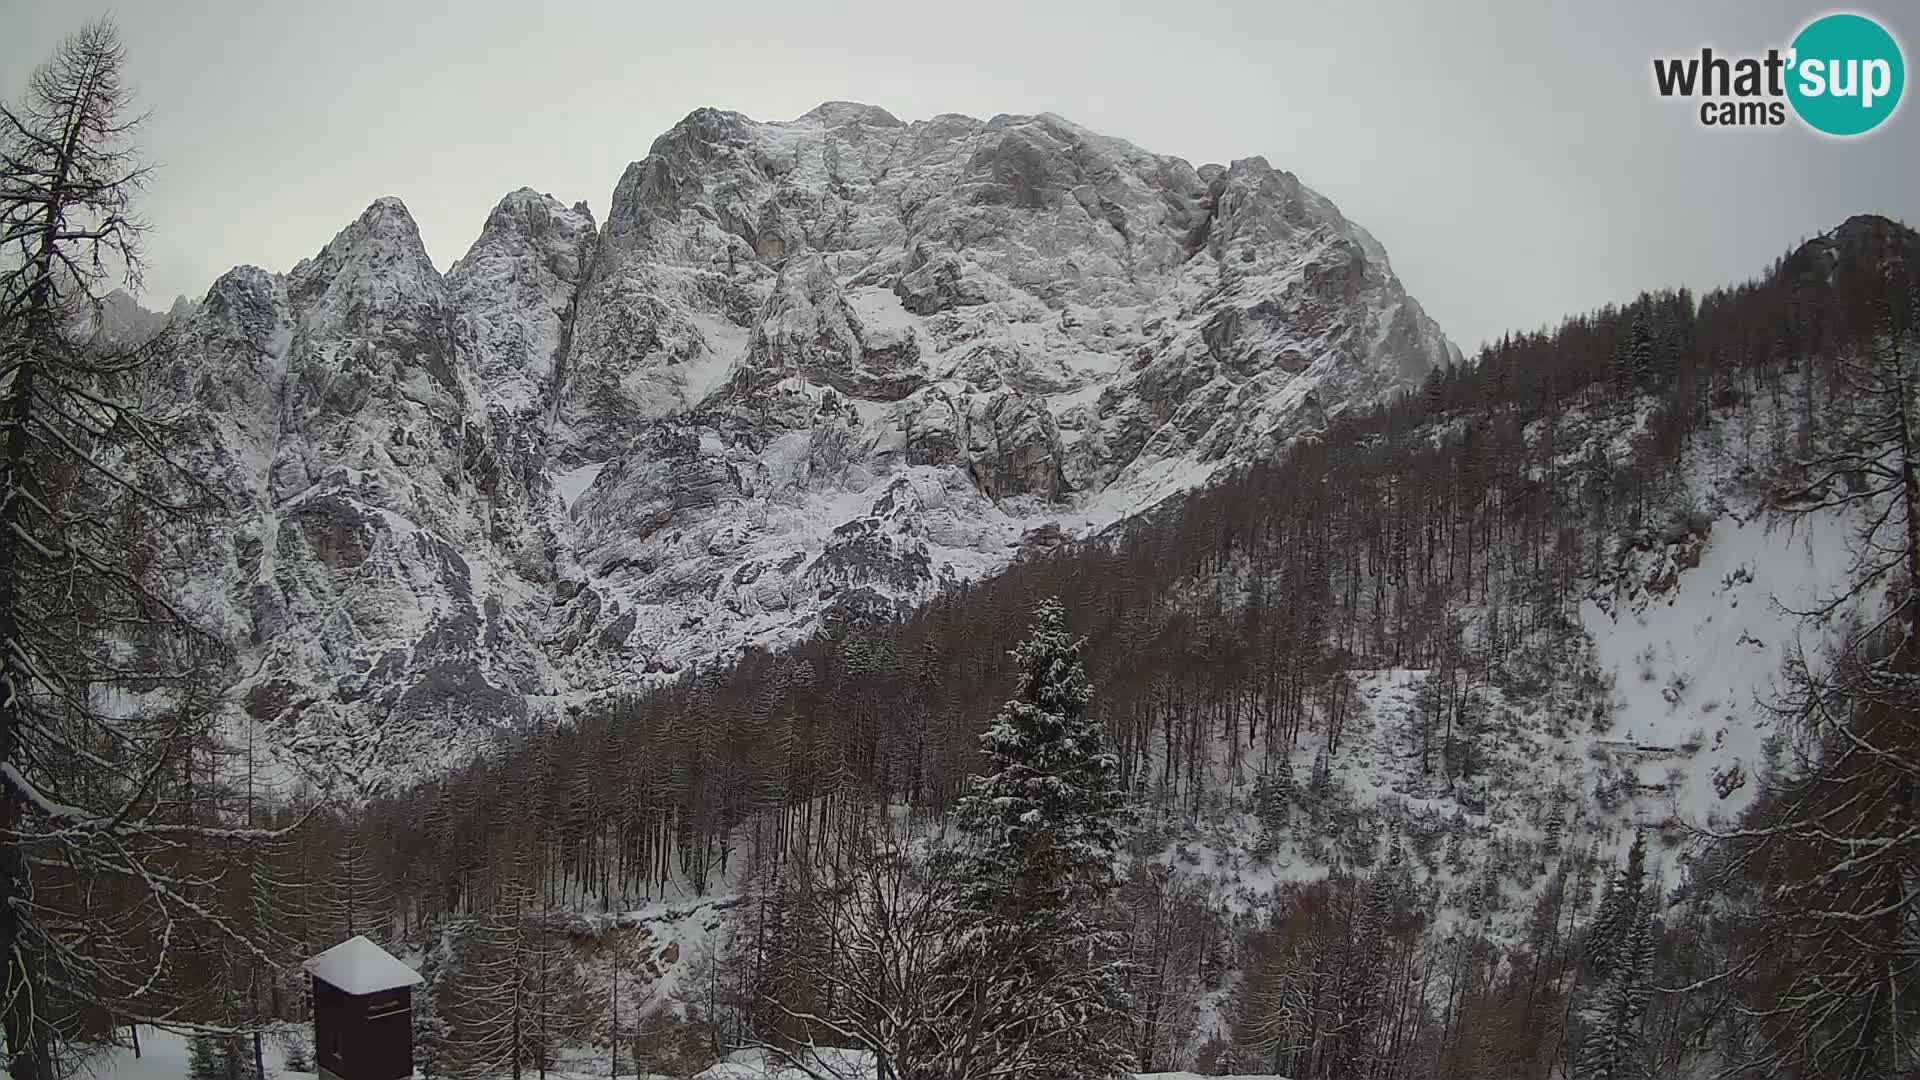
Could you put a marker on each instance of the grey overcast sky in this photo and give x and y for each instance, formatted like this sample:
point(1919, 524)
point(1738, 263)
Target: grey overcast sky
point(1512, 157)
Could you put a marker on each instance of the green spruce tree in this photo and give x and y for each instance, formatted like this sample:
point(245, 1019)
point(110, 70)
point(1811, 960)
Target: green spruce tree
point(1615, 1044)
point(1039, 988)
point(202, 1058)
point(1619, 909)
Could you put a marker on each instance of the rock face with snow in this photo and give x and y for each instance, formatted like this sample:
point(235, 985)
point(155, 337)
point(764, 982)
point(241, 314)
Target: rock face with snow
point(805, 370)
point(375, 569)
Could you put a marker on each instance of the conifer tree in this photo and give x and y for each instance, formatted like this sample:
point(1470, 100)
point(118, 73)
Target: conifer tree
point(431, 1032)
point(1366, 976)
point(485, 993)
point(217, 1057)
point(202, 1054)
point(1043, 992)
point(1619, 909)
point(1556, 826)
point(1614, 1047)
point(1634, 360)
point(1283, 785)
point(361, 893)
point(1273, 803)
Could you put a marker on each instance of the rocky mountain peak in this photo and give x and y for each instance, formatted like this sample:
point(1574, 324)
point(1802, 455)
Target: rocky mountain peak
point(839, 113)
point(1863, 243)
point(806, 370)
point(385, 239)
point(512, 296)
point(533, 216)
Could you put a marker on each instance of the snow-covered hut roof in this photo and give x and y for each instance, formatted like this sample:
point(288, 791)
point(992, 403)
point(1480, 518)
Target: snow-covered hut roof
point(358, 966)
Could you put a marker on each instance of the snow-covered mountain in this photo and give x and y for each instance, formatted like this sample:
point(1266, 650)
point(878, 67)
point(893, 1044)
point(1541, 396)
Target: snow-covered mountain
point(805, 370)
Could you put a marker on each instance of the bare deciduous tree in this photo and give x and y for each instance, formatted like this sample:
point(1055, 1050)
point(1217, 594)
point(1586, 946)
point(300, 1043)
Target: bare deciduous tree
point(888, 918)
point(1821, 876)
point(112, 854)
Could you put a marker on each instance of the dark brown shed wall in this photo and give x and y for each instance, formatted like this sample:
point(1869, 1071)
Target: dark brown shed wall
point(366, 1036)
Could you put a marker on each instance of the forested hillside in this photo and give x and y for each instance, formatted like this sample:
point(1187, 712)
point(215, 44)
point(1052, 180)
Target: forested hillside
point(1433, 910)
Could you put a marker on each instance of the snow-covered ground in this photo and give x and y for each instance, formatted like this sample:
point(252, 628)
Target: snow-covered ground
point(1696, 663)
point(846, 1065)
point(163, 1056)
point(571, 483)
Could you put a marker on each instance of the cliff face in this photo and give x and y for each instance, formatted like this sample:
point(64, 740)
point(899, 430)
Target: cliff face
point(805, 369)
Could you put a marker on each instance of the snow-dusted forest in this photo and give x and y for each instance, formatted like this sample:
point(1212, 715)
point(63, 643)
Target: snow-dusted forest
point(1190, 667)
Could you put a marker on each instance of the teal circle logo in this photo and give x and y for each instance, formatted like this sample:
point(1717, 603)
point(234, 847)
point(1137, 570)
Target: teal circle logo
point(1846, 74)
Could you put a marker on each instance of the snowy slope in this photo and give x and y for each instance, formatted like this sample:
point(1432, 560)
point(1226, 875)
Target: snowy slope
point(1698, 651)
point(1656, 715)
point(1649, 714)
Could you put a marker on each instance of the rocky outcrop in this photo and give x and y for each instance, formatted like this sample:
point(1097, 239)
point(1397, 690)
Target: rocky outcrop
point(362, 425)
point(512, 296)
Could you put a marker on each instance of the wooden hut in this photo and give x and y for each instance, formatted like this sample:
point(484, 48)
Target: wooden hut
point(362, 1012)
